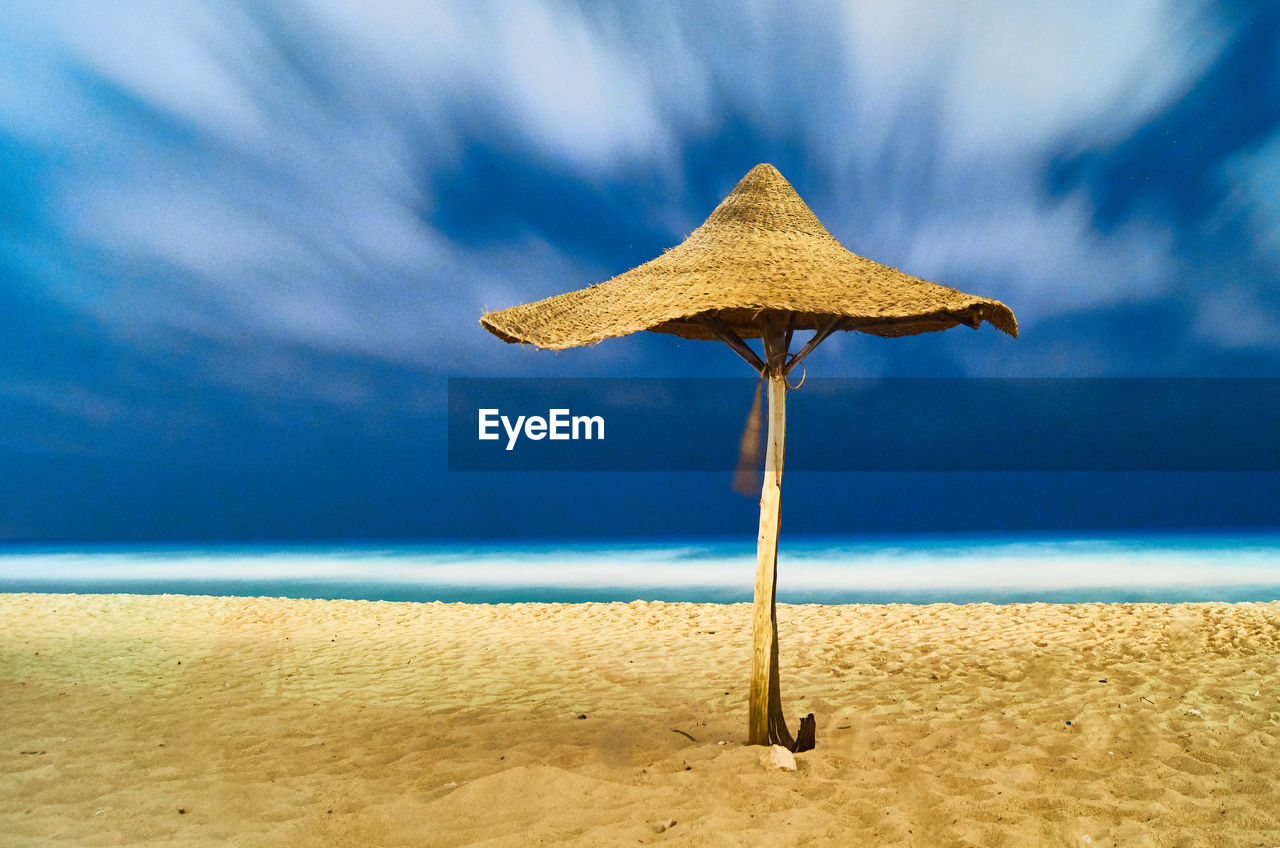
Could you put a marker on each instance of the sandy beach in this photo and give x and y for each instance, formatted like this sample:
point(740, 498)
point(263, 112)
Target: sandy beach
point(178, 720)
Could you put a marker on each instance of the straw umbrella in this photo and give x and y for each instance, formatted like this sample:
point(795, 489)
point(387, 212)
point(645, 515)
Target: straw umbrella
point(760, 267)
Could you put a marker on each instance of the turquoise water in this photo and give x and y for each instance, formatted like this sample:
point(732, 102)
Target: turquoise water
point(921, 569)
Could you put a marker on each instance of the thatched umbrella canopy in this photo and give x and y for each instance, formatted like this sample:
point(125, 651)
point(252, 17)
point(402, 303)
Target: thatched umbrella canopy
point(761, 266)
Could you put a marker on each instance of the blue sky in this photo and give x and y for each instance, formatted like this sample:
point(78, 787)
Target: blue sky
point(243, 245)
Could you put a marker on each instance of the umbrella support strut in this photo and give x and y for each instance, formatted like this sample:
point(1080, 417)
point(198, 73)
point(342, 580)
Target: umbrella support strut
point(733, 340)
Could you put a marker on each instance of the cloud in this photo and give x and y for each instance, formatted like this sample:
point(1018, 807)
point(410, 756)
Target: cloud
point(269, 173)
point(1011, 78)
point(229, 174)
point(953, 135)
point(1254, 178)
point(562, 84)
point(1047, 258)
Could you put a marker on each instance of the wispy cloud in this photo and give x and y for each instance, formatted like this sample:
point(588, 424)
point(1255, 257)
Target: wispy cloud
point(1254, 178)
point(282, 171)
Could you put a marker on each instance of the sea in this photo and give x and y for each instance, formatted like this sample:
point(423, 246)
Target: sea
point(1013, 568)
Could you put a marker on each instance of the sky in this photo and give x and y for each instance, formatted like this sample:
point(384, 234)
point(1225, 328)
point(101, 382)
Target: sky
point(244, 245)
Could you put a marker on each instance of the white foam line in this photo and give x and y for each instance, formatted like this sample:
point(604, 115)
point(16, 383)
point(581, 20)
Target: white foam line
point(1029, 566)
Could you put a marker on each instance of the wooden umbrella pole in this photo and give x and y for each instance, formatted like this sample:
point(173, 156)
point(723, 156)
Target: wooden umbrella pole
point(766, 724)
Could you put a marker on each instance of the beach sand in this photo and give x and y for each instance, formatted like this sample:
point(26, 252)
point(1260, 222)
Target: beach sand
point(187, 721)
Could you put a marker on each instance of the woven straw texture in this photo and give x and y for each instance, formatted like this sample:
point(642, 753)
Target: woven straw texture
point(761, 250)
